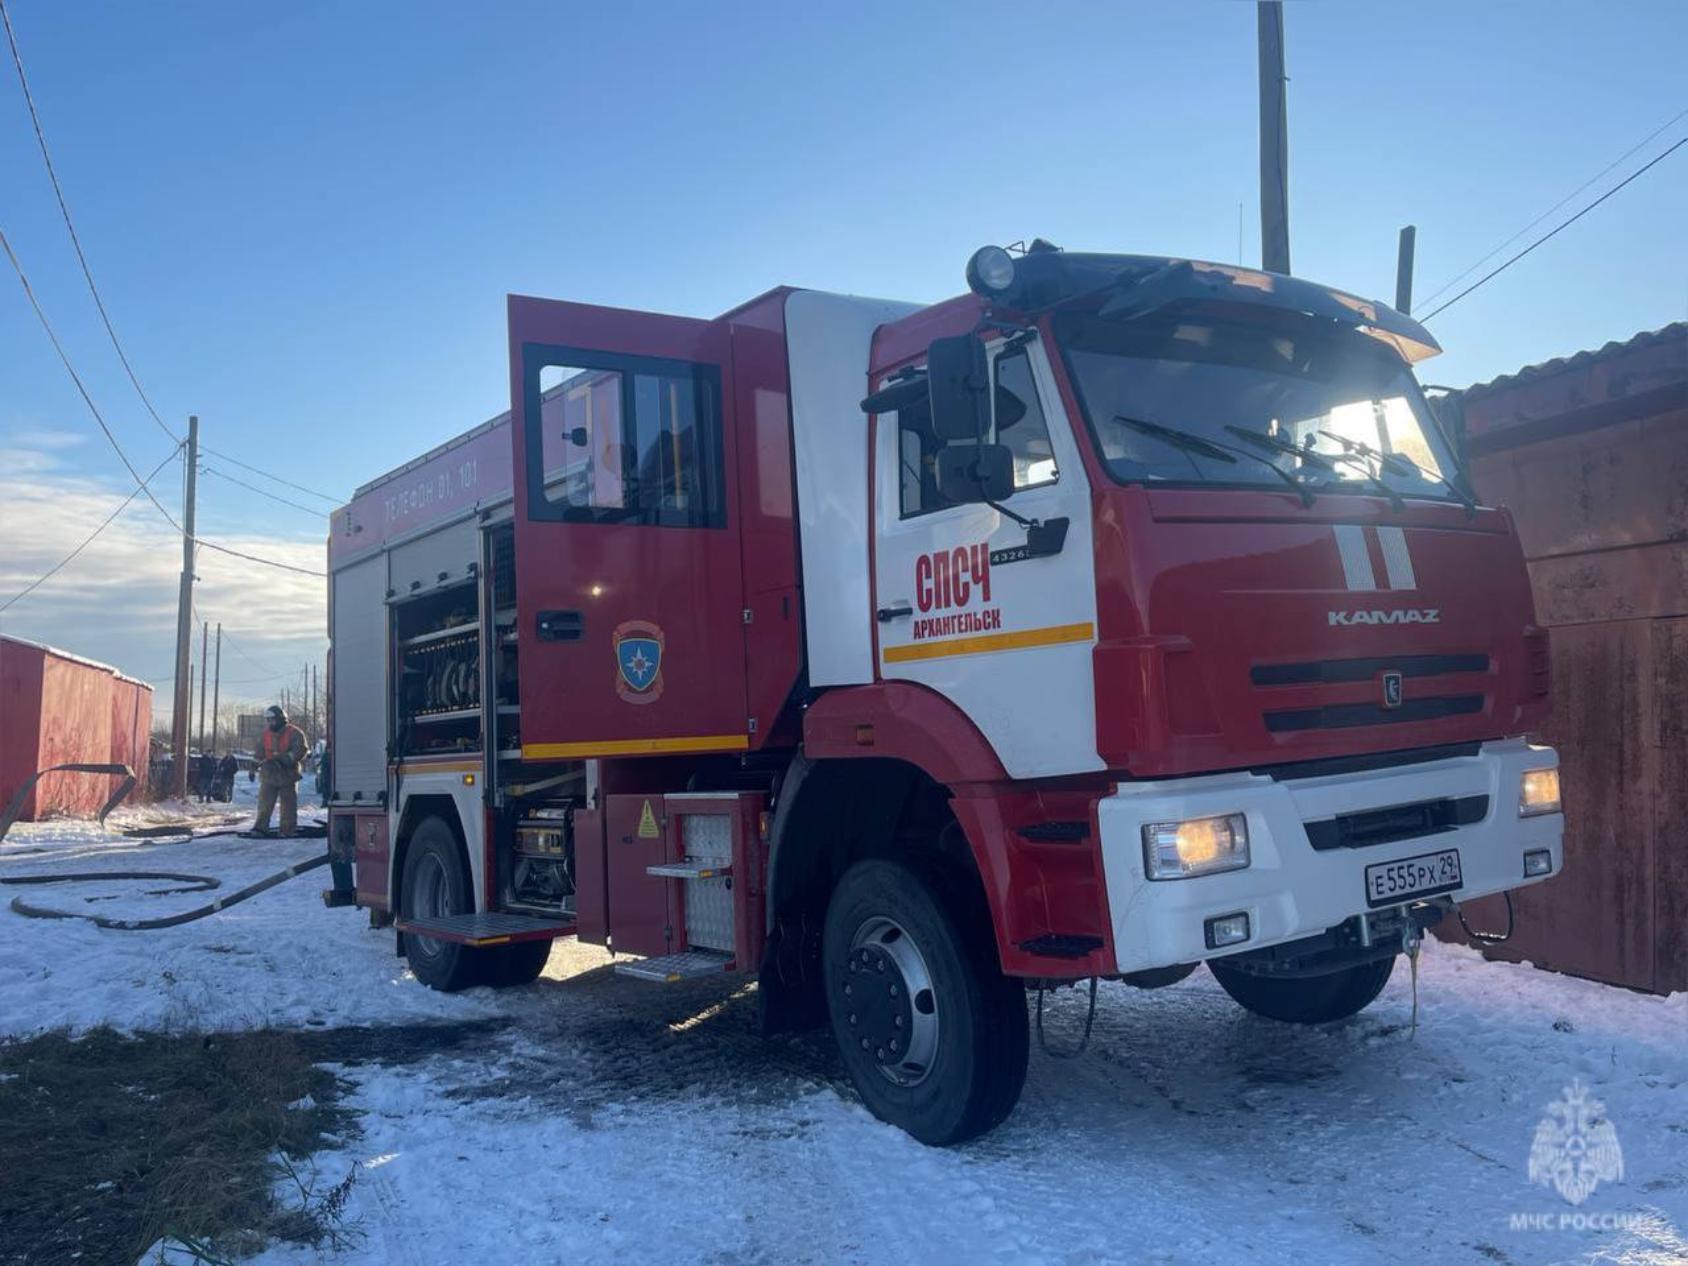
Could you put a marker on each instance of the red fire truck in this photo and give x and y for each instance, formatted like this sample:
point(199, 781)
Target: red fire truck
point(1121, 615)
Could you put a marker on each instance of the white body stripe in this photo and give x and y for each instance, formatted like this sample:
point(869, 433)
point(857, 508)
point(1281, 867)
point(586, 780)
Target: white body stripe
point(1356, 558)
point(1397, 560)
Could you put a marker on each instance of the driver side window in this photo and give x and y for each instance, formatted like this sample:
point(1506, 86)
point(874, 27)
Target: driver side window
point(1018, 422)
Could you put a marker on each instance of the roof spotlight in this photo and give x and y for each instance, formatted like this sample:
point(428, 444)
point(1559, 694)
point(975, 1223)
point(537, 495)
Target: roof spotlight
point(990, 272)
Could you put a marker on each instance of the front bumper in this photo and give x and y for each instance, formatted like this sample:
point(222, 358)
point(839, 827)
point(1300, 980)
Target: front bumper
point(1291, 889)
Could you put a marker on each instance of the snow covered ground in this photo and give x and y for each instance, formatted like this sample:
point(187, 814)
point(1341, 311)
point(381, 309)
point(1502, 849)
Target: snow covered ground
point(590, 1117)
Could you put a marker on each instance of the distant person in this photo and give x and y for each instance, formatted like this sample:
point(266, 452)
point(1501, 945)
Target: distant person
point(222, 787)
point(205, 777)
point(281, 761)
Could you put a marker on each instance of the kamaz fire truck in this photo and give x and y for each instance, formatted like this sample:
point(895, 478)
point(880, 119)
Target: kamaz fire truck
point(1122, 615)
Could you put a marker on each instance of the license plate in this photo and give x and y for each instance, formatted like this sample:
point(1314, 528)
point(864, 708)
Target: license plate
point(1390, 883)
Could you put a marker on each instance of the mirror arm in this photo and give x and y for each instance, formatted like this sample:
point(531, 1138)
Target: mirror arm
point(1003, 510)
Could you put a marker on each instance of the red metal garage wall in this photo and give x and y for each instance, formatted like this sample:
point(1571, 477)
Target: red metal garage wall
point(20, 717)
point(1591, 456)
point(131, 729)
point(75, 726)
point(58, 709)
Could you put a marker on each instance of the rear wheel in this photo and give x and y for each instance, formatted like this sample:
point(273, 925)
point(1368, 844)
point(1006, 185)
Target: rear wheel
point(933, 1034)
point(518, 964)
point(436, 884)
point(1306, 1000)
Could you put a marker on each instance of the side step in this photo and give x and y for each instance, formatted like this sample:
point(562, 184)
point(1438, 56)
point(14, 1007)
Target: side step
point(490, 927)
point(692, 868)
point(672, 967)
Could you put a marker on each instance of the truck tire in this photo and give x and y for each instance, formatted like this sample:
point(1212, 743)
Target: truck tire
point(933, 1034)
point(518, 964)
point(436, 883)
point(1309, 999)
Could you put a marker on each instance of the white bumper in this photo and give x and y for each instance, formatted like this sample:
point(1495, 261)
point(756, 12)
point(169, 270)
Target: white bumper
point(1291, 890)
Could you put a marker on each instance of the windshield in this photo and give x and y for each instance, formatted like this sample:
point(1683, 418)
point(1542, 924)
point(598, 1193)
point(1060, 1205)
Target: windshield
point(1324, 391)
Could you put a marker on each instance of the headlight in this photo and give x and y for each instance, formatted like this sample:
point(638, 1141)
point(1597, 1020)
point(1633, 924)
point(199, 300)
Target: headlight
point(1538, 793)
point(1199, 846)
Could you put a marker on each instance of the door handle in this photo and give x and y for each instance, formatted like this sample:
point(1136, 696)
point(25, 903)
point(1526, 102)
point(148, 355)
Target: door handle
point(887, 614)
point(559, 626)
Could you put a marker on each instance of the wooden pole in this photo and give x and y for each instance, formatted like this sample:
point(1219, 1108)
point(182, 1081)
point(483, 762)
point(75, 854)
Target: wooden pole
point(1404, 270)
point(1274, 140)
point(204, 672)
point(216, 687)
point(179, 718)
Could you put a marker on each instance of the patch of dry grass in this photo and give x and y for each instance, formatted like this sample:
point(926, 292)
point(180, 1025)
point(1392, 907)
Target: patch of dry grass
point(109, 1143)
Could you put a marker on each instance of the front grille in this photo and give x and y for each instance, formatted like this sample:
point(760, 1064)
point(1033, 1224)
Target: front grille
point(1397, 822)
point(1322, 671)
point(1338, 716)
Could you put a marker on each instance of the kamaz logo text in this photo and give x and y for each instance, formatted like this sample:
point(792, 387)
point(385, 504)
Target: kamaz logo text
point(1424, 615)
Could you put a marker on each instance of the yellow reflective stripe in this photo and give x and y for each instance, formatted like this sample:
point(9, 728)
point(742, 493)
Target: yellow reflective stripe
point(986, 643)
point(635, 747)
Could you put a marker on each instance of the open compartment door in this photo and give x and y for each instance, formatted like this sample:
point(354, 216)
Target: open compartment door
point(630, 606)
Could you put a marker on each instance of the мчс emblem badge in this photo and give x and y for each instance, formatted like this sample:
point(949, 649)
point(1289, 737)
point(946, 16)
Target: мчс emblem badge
point(638, 661)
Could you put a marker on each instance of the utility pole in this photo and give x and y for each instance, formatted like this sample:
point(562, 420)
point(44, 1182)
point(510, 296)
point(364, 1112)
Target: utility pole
point(1404, 270)
point(1274, 140)
point(216, 688)
point(316, 719)
point(184, 623)
point(204, 672)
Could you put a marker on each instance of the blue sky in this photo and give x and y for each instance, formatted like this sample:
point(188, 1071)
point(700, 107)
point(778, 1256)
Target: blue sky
point(304, 218)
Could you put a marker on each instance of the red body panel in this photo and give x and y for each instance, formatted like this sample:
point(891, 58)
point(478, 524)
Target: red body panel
point(591, 883)
point(640, 914)
point(373, 856)
point(1196, 589)
point(900, 721)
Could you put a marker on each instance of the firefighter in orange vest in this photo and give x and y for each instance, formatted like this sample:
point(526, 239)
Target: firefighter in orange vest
point(281, 763)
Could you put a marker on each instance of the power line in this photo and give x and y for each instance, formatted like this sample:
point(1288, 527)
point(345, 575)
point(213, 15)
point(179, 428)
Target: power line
point(262, 492)
point(1563, 225)
point(1639, 145)
point(254, 558)
point(64, 210)
point(89, 539)
point(76, 378)
point(206, 448)
point(140, 484)
point(82, 258)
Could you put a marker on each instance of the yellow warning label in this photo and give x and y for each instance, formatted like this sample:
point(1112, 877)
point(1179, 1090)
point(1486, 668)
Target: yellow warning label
point(648, 829)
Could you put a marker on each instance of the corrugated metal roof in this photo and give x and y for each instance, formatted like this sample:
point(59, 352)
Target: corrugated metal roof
point(1677, 331)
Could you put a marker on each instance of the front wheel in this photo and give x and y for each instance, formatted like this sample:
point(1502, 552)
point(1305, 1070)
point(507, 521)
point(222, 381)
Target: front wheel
point(933, 1034)
point(1306, 1000)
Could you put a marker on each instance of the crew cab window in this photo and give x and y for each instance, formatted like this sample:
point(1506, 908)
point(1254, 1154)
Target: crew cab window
point(1017, 421)
point(630, 441)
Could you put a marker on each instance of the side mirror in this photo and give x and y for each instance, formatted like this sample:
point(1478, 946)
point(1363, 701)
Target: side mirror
point(975, 472)
point(958, 385)
point(578, 437)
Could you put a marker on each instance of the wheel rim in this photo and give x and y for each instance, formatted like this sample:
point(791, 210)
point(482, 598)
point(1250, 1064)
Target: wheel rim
point(430, 900)
point(890, 1006)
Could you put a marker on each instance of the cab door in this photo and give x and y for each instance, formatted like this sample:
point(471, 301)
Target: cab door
point(963, 606)
point(629, 631)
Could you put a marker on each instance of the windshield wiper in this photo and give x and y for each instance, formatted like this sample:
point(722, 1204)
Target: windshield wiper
point(1219, 452)
point(1311, 456)
point(1356, 453)
point(1402, 465)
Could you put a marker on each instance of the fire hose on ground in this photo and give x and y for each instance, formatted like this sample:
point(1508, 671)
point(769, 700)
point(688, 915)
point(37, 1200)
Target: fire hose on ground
point(192, 883)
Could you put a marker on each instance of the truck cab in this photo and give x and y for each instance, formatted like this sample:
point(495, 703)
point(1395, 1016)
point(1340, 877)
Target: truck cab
point(1121, 615)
